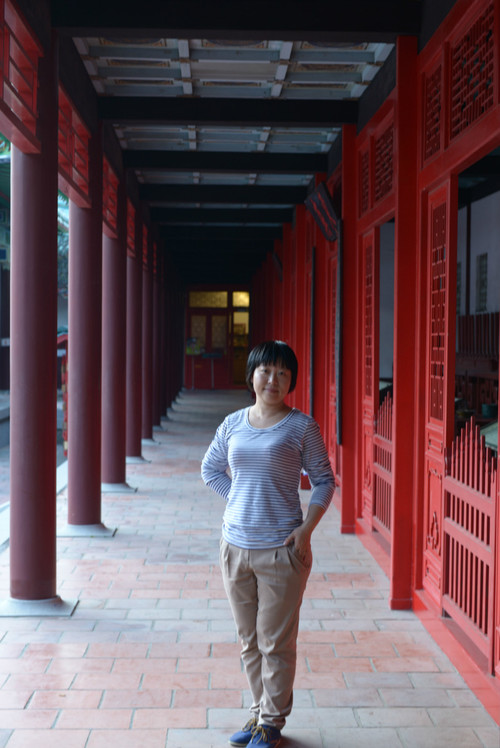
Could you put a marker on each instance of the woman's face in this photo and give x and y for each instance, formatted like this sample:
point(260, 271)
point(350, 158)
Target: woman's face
point(271, 383)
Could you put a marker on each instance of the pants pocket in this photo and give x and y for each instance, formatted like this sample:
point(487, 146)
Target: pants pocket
point(297, 561)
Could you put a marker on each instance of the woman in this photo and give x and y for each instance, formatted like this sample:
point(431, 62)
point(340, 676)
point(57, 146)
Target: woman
point(265, 551)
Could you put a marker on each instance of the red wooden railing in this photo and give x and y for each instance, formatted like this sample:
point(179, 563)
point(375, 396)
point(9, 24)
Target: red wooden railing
point(477, 335)
point(382, 469)
point(469, 497)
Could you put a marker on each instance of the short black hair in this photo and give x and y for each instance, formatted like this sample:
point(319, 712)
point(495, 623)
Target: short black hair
point(272, 352)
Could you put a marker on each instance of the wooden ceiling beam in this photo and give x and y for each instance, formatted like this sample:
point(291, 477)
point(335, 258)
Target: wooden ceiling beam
point(223, 233)
point(158, 194)
point(365, 20)
point(184, 216)
point(227, 162)
point(166, 110)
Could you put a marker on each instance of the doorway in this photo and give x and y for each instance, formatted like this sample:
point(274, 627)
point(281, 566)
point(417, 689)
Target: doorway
point(217, 338)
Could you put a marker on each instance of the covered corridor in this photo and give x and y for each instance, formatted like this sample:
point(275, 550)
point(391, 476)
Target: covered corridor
point(149, 656)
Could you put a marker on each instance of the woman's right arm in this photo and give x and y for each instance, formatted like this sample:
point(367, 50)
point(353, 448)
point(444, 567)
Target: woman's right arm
point(215, 464)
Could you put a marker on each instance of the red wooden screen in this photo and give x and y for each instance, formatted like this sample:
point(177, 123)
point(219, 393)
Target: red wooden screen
point(334, 447)
point(369, 375)
point(382, 469)
point(73, 152)
point(437, 386)
point(145, 248)
point(19, 54)
point(364, 182)
point(432, 113)
point(469, 528)
point(472, 73)
point(383, 163)
point(438, 311)
point(131, 248)
point(109, 199)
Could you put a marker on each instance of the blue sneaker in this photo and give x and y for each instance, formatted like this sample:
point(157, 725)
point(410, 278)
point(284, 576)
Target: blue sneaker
point(243, 736)
point(265, 737)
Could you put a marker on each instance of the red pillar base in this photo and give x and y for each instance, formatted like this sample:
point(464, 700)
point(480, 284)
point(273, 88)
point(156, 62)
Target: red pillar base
point(86, 531)
point(53, 607)
point(117, 488)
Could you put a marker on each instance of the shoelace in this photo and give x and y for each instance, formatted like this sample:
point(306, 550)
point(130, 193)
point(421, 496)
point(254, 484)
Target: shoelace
point(263, 733)
point(250, 725)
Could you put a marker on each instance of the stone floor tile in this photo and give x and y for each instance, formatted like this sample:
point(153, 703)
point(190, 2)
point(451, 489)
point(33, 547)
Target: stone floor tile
point(14, 699)
point(356, 737)
point(137, 699)
point(50, 739)
point(40, 681)
point(150, 738)
point(489, 736)
point(79, 665)
point(353, 697)
point(177, 681)
point(209, 698)
point(464, 717)
point(207, 738)
point(110, 719)
point(65, 700)
point(327, 717)
point(433, 737)
point(185, 718)
point(401, 717)
point(36, 719)
point(95, 680)
point(398, 697)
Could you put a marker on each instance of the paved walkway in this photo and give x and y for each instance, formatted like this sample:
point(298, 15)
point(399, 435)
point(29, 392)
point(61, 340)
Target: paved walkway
point(149, 659)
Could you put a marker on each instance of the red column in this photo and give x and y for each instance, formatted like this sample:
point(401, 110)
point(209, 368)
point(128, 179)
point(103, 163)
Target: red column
point(33, 339)
point(163, 342)
point(156, 351)
point(147, 350)
point(349, 332)
point(84, 353)
point(405, 272)
point(301, 309)
point(114, 295)
point(134, 351)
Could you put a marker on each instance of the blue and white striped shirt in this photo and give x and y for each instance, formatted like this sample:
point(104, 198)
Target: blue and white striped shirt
point(261, 492)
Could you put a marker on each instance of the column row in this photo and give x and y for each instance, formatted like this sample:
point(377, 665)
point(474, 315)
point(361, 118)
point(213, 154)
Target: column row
point(115, 352)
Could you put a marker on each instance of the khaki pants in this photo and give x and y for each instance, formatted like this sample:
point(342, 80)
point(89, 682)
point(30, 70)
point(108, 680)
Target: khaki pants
point(265, 589)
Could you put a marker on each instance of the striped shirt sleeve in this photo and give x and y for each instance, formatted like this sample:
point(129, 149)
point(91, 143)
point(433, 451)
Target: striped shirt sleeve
point(215, 463)
point(316, 464)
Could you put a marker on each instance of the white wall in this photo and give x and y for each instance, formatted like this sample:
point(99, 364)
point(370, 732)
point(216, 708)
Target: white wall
point(485, 238)
point(461, 255)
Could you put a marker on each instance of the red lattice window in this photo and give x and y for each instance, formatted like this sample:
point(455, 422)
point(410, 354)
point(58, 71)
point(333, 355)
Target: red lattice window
point(19, 54)
point(472, 74)
point(438, 308)
point(384, 150)
point(73, 156)
point(368, 319)
point(131, 251)
point(432, 104)
point(109, 197)
point(145, 252)
point(364, 182)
